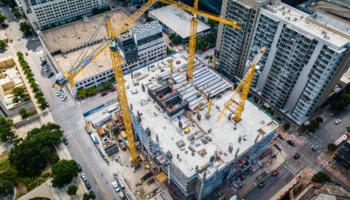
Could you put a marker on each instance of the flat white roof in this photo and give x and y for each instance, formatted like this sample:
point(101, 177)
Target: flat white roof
point(177, 20)
point(254, 126)
point(307, 24)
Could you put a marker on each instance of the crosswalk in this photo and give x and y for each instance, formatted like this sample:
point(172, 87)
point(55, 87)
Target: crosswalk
point(66, 105)
point(293, 167)
point(74, 130)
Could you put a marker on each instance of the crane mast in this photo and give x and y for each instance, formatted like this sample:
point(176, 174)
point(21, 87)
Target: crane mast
point(242, 89)
point(192, 42)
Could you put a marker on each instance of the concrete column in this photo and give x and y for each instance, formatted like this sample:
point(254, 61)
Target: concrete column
point(302, 79)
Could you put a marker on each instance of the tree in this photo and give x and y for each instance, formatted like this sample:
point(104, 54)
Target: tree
point(63, 172)
point(88, 196)
point(286, 126)
point(6, 133)
point(331, 147)
point(348, 129)
point(2, 18)
point(25, 28)
point(3, 44)
point(36, 151)
point(72, 190)
point(342, 102)
point(320, 177)
point(175, 38)
point(23, 112)
point(6, 187)
point(16, 12)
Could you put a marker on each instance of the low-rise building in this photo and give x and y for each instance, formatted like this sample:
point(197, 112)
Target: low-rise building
point(10, 78)
point(175, 20)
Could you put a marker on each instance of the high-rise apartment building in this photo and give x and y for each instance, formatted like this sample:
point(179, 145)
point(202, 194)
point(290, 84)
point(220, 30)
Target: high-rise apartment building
point(47, 13)
point(233, 44)
point(303, 61)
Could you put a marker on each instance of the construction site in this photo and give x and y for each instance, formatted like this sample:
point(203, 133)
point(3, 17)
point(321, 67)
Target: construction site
point(182, 122)
point(177, 133)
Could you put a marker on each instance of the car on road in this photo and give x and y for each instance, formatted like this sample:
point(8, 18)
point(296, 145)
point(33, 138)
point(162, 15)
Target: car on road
point(104, 94)
point(291, 143)
point(83, 176)
point(337, 121)
point(296, 156)
point(275, 173)
point(260, 185)
point(115, 186)
point(314, 147)
point(65, 141)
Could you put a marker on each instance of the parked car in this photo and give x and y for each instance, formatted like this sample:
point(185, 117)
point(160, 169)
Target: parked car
point(337, 121)
point(260, 185)
point(87, 185)
point(314, 147)
point(121, 195)
point(115, 186)
point(79, 167)
point(83, 176)
point(65, 141)
point(291, 143)
point(296, 156)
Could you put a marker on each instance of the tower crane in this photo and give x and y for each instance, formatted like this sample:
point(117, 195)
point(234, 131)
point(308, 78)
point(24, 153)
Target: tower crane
point(242, 89)
point(117, 63)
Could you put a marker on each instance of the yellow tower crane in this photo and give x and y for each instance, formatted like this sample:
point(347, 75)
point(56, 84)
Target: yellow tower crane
point(242, 89)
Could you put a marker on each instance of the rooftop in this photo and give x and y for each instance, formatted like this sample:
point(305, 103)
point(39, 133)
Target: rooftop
point(177, 20)
point(79, 33)
point(200, 138)
point(101, 64)
point(315, 28)
point(10, 78)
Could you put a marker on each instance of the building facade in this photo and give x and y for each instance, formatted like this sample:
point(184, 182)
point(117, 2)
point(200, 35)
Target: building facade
point(232, 45)
point(303, 61)
point(144, 44)
point(44, 14)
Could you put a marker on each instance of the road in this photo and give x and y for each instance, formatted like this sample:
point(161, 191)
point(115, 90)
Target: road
point(67, 114)
point(327, 133)
point(271, 185)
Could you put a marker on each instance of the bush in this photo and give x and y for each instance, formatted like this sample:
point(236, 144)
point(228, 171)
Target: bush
point(63, 172)
point(320, 177)
point(6, 187)
point(72, 190)
point(331, 147)
point(23, 113)
point(3, 44)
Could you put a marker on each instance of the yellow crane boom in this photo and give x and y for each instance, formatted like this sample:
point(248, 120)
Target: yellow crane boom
point(129, 22)
point(242, 89)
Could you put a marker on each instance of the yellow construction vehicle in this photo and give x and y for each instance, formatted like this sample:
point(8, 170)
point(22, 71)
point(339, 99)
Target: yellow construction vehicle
point(242, 89)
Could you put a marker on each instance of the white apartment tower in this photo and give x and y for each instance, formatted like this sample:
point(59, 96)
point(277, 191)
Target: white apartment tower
point(48, 13)
point(304, 59)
